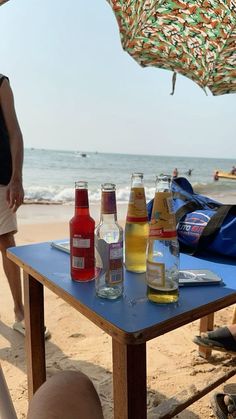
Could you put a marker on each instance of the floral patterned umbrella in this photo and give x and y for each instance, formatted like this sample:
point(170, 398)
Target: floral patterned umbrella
point(196, 38)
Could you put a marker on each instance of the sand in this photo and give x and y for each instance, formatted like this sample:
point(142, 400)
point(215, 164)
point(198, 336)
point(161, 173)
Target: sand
point(173, 361)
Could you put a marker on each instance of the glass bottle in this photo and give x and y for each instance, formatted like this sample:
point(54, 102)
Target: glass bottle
point(82, 225)
point(109, 247)
point(136, 227)
point(163, 248)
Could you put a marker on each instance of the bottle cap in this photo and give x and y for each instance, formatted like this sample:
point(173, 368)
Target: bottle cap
point(81, 184)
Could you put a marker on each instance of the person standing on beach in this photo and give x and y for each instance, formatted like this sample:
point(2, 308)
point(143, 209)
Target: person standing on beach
point(11, 191)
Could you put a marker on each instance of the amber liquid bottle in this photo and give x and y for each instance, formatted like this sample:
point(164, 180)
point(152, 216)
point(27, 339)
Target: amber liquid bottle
point(163, 248)
point(82, 258)
point(136, 227)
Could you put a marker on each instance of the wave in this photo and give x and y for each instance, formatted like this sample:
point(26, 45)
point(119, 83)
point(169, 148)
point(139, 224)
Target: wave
point(220, 188)
point(49, 194)
point(65, 195)
point(55, 195)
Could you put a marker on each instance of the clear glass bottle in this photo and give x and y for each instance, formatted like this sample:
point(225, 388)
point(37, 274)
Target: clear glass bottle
point(136, 227)
point(82, 225)
point(109, 247)
point(163, 248)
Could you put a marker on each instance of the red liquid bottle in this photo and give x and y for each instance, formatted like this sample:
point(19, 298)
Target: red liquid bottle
point(82, 259)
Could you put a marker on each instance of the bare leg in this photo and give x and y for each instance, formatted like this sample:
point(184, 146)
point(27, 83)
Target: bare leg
point(12, 272)
point(232, 329)
point(68, 394)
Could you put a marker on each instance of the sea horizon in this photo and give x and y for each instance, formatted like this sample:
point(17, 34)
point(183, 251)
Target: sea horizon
point(124, 154)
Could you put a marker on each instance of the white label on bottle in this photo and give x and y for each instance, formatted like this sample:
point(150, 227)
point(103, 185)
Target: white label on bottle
point(77, 262)
point(116, 276)
point(155, 274)
point(116, 251)
point(109, 258)
point(81, 243)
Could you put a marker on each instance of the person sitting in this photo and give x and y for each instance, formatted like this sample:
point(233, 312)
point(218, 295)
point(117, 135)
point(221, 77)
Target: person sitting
point(233, 171)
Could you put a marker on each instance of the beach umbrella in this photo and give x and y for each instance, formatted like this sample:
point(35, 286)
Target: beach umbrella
point(2, 2)
point(196, 38)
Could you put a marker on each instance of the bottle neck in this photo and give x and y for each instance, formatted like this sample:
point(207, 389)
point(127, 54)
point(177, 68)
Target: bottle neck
point(137, 183)
point(163, 187)
point(137, 180)
point(108, 207)
point(108, 218)
point(81, 202)
point(82, 211)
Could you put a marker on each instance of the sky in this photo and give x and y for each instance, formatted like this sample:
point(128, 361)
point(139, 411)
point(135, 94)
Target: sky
point(76, 89)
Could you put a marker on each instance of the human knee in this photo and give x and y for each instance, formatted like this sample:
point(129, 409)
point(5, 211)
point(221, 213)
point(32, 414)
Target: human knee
point(67, 390)
point(70, 383)
point(67, 379)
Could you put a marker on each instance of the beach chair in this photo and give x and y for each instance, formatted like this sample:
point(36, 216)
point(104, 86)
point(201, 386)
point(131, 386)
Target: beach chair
point(7, 410)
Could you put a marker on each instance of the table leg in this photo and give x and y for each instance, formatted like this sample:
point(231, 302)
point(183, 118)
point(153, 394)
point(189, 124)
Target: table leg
point(206, 324)
point(35, 342)
point(129, 381)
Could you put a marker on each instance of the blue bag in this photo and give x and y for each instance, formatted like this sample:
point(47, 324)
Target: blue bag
point(203, 225)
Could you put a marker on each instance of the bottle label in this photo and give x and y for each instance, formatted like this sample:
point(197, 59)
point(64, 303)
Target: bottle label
point(155, 274)
point(81, 243)
point(110, 260)
point(163, 225)
point(77, 262)
point(81, 198)
point(137, 209)
point(115, 274)
point(82, 252)
point(108, 202)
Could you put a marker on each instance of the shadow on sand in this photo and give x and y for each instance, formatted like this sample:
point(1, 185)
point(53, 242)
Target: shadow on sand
point(56, 360)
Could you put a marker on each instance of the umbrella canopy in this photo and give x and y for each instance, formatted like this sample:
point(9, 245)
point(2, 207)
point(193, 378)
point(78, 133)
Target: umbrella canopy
point(2, 2)
point(196, 38)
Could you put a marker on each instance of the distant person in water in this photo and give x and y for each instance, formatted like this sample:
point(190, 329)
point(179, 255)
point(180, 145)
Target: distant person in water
point(175, 173)
point(233, 171)
point(216, 175)
point(189, 172)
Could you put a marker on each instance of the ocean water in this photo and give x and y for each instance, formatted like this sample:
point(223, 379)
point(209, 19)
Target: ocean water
point(49, 175)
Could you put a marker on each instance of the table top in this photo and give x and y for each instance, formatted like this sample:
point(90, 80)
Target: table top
point(131, 318)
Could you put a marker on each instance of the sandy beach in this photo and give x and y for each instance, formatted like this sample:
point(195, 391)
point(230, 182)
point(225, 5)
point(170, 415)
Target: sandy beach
point(173, 361)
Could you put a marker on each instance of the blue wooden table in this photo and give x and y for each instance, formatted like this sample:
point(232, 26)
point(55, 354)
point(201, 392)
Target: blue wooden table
point(131, 321)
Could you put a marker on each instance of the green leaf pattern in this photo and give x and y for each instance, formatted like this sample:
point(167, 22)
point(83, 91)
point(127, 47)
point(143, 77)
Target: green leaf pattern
point(194, 38)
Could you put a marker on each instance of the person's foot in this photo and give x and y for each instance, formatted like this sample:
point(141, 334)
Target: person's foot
point(19, 313)
point(222, 339)
point(20, 327)
point(224, 405)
